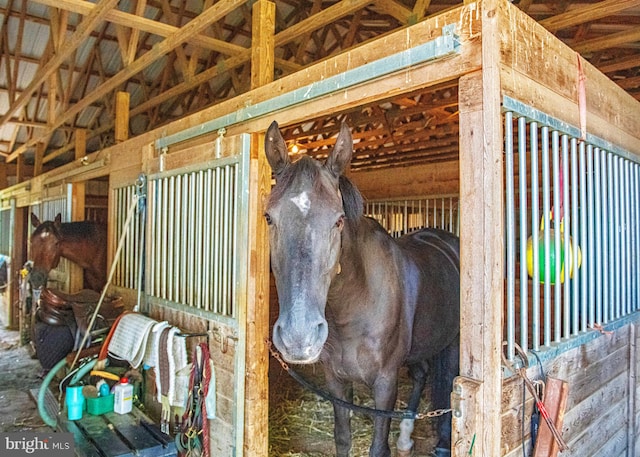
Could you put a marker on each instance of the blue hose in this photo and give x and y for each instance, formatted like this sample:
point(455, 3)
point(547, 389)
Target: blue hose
point(82, 371)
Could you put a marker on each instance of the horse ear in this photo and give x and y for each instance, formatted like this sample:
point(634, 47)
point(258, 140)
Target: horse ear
point(58, 220)
point(34, 220)
point(342, 151)
point(276, 149)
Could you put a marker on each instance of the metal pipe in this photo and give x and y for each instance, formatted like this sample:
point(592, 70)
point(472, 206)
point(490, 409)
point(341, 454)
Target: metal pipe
point(566, 242)
point(586, 251)
point(558, 215)
point(575, 240)
point(510, 235)
point(522, 255)
point(595, 210)
point(546, 243)
point(535, 234)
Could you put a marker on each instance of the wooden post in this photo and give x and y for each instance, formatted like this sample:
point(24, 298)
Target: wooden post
point(40, 149)
point(262, 46)
point(4, 179)
point(256, 432)
point(21, 169)
point(78, 191)
point(477, 423)
point(122, 117)
point(81, 143)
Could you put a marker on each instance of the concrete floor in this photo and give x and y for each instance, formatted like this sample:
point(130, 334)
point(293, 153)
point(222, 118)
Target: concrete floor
point(18, 374)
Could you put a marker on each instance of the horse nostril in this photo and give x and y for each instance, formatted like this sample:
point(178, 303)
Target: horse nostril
point(322, 331)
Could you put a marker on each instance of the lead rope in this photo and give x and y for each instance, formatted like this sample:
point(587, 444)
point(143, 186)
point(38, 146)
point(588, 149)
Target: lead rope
point(345, 404)
point(193, 439)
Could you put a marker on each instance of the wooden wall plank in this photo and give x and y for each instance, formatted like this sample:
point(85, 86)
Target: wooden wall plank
point(418, 180)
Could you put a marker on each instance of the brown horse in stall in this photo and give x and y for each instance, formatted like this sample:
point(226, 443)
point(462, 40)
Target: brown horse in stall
point(354, 298)
point(83, 243)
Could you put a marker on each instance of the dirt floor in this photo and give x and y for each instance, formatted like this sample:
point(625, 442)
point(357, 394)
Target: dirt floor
point(18, 374)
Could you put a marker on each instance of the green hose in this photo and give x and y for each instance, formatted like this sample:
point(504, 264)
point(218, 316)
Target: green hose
point(82, 371)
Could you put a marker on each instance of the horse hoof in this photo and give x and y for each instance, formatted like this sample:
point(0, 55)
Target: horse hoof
point(441, 452)
point(404, 453)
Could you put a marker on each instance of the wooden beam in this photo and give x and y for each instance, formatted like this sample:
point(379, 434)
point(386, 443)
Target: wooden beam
point(52, 97)
point(607, 42)
point(620, 64)
point(587, 13)
point(293, 33)
point(4, 179)
point(83, 30)
point(262, 44)
point(481, 247)
point(326, 16)
point(80, 142)
point(40, 150)
point(256, 436)
point(21, 169)
point(142, 24)
point(395, 9)
point(122, 117)
point(213, 14)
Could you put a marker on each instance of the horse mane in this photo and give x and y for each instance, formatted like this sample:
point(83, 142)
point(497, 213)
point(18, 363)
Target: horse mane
point(352, 200)
point(309, 168)
point(78, 230)
point(68, 230)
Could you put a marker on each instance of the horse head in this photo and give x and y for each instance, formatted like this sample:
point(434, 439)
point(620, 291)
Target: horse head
point(45, 249)
point(305, 215)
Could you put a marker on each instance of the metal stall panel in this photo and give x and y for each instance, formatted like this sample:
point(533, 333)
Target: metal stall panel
point(571, 231)
point(197, 249)
point(7, 275)
point(401, 216)
point(128, 237)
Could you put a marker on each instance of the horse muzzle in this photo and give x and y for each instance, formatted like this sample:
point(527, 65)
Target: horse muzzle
point(38, 278)
point(300, 343)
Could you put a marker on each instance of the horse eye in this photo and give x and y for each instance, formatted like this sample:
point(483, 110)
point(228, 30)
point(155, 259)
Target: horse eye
point(340, 222)
point(267, 217)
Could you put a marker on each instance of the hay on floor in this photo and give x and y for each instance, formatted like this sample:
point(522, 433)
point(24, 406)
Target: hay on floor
point(301, 423)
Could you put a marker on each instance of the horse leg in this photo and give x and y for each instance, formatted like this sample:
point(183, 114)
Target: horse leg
point(418, 373)
point(341, 416)
point(385, 391)
point(447, 367)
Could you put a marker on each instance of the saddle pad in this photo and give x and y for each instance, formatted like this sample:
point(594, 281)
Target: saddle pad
point(129, 340)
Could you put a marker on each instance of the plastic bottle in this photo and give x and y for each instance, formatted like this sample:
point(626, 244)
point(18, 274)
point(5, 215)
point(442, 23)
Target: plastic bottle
point(123, 401)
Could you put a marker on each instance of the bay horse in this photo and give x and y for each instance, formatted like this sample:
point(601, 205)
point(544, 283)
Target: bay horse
point(83, 243)
point(354, 298)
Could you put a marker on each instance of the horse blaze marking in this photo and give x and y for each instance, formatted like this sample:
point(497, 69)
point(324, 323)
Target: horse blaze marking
point(302, 202)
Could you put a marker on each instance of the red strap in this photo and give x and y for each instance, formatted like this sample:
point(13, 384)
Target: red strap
point(582, 99)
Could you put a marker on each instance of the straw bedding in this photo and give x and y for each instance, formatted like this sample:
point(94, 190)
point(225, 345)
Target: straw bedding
point(301, 423)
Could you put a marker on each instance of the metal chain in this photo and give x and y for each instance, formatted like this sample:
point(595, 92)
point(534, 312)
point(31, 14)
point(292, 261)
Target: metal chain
point(365, 410)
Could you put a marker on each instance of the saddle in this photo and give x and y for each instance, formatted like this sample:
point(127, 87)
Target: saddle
point(57, 308)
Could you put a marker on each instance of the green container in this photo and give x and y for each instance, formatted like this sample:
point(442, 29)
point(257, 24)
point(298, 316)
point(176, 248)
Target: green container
point(100, 405)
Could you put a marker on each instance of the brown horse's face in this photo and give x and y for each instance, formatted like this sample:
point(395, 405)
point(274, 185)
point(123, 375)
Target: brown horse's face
point(44, 249)
point(305, 217)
